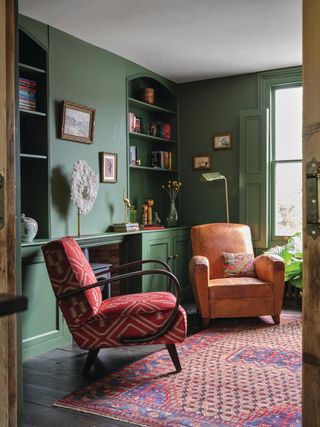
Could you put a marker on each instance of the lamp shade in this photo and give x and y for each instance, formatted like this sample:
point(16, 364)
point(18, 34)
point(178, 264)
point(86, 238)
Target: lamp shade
point(212, 176)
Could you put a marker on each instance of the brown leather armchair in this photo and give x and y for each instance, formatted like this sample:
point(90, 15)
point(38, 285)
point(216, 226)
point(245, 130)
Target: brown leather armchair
point(218, 296)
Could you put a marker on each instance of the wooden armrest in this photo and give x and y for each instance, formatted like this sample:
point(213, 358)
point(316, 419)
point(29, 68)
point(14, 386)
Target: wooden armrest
point(169, 323)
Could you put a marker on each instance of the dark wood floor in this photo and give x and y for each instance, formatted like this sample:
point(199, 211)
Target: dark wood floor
point(51, 376)
point(55, 374)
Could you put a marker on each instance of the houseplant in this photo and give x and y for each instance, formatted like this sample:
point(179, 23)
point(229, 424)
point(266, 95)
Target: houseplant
point(291, 253)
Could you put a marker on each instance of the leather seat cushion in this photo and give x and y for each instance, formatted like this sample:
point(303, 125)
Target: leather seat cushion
point(239, 287)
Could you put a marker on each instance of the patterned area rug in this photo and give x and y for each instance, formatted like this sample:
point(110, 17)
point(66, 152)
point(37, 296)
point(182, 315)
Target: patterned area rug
point(244, 372)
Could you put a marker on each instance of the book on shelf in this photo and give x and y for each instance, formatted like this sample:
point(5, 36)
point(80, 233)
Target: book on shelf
point(153, 227)
point(161, 159)
point(27, 94)
point(125, 227)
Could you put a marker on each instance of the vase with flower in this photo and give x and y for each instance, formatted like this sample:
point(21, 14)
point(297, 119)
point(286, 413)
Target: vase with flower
point(172, 188)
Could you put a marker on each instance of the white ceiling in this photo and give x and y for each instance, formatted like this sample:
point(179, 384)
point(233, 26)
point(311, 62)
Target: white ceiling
point(184, 40)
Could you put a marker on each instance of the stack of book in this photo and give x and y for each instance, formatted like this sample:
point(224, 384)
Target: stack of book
point(27, 94)
point(125, 227)
point(164, 130)
point(161, 159)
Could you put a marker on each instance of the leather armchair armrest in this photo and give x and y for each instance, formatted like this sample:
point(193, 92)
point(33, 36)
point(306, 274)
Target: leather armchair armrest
point(199, 270)
point(270, 268)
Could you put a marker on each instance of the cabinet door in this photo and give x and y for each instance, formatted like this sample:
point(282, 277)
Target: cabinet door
point(182, 254)
point(43, 326)
point(160, 248)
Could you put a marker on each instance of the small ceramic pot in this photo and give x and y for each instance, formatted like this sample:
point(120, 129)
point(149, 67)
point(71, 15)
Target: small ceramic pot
point(29, 228)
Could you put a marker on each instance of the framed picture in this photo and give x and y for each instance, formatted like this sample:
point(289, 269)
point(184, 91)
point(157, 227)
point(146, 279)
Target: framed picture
point(202, 162)
point(222, 141)
point(108, 167)
point(77, 122)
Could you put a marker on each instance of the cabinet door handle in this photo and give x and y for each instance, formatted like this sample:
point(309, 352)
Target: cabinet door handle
point(176, 256)
point(170, 257)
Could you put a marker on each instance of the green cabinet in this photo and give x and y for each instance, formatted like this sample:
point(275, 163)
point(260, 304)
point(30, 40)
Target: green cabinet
point(43, 326)
point(173, 247)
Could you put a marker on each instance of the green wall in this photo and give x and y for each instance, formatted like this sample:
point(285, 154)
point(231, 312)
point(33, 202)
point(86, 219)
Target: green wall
point(84, 74)
point(208, 107)
point(87, 75)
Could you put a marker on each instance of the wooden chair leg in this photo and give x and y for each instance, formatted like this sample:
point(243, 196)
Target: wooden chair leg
point(91, 356)
point(276, 319)
point(174, 356)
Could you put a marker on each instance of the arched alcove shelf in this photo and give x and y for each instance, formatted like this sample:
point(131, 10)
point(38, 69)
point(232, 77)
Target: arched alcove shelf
point(153, 141)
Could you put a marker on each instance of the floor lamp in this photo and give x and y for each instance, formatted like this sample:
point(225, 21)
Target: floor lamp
point(216, 176)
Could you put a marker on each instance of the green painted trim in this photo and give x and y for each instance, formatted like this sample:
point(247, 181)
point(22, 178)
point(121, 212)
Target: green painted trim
point(266, 80)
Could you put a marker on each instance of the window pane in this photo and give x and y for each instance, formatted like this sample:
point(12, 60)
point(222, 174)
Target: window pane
point(288, 123)
point(288, 198)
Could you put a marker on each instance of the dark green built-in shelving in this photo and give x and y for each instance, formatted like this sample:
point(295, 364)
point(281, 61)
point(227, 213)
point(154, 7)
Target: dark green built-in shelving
point(151, 107)
point(151, 138)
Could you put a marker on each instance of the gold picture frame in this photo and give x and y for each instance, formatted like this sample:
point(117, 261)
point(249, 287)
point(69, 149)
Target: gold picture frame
point(222, 141)
point(78, 122)
point(202, 162)
point(108, 167)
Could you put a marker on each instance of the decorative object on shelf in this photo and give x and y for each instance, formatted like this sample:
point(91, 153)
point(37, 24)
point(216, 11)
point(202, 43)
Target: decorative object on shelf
point(133, 214)
point(153, 129)
point(202, 162)
point(149, 203)
point(29, 228)
point(108, 167)
point(147, 95)
point(216, 176)
point(172, 188)
point(138, 125)
point(144, 214)
point(222, 141)
point(127, 206)
point(77, 122)
point(84, 188)
point(126, 227)
point(156, 219)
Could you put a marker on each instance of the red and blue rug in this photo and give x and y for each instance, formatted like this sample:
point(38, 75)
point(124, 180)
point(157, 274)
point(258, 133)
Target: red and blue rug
point(244, 372)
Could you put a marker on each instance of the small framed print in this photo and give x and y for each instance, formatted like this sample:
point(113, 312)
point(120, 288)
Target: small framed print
point(77, 122)
point(222, 141)
point(108, 167)
point(202, 162)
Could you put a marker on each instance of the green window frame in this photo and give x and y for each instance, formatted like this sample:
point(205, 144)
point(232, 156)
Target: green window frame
point(268, 83)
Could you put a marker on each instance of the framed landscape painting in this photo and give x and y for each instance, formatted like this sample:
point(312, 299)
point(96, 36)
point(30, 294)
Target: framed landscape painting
point(77, 122)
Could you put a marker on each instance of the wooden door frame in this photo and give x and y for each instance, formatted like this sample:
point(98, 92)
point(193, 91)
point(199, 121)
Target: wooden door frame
point(9, 348)
point(311, 256)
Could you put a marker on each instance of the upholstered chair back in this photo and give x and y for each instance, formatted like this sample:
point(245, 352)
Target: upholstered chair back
point(68, 270)
point(211, 240)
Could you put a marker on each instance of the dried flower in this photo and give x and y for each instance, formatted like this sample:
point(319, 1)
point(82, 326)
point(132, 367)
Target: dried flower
point(172, 188)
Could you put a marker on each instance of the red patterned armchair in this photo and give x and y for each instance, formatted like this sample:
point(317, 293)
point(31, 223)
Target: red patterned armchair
point(135, 319)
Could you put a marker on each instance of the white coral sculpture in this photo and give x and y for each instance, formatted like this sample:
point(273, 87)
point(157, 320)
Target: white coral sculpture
point(84, 186)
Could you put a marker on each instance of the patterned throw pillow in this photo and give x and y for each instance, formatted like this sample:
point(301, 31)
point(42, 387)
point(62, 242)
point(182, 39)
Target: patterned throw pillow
point(238, 265)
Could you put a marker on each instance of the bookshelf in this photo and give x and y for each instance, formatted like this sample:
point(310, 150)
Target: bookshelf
point(34, 181)
point(158, 133)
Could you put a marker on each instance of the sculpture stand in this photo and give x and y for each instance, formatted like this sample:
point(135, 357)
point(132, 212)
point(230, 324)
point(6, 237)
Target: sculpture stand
point(79, 222)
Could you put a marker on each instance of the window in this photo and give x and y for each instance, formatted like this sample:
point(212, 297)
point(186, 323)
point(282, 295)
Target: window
point(286, 161)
